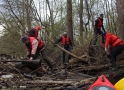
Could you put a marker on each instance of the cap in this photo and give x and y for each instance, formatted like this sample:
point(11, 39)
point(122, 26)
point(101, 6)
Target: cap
point(24, 38)
point(101, 15)
point(65, 33)
point(38, 27)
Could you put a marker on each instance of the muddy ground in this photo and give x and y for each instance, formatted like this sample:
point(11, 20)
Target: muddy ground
point(77, 75)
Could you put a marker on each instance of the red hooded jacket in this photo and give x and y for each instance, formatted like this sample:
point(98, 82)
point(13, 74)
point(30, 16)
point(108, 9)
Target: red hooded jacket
point(112, 40)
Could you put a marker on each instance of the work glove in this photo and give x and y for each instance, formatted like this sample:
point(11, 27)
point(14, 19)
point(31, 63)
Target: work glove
point(32, 56)
point(54, 44)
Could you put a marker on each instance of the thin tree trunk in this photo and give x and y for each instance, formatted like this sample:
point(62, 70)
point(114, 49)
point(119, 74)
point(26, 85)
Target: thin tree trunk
point(69, 19)
point(120, 11)
point(81, 20)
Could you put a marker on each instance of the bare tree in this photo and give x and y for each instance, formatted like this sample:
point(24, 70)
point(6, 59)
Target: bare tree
point(15, 20)
point(120, 11)
point(81, 19)
point(69, 19)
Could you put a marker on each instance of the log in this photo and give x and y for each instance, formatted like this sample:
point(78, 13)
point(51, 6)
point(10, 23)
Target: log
point(80, 58)
point(37, 61)
point(74, 61)
point(90, 80)
point(47, 82)
point(96, 67)
point(73, 83)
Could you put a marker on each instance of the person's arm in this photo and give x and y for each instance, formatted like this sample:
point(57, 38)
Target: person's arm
point(70, 42)
point(107, 45)
point(103, 28)
point(71, 45)
point(58, 40)
point(34, 48)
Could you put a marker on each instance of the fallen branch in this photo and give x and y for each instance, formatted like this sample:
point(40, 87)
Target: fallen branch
point(73, 83)
point(37, 60)
point(96, 67)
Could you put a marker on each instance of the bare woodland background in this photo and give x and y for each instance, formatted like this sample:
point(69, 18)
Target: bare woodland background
point(56, 16)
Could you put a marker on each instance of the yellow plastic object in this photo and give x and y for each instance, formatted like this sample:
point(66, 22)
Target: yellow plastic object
point(120, 84)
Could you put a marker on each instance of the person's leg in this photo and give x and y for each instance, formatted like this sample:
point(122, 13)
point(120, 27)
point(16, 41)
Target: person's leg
point(43, 52)
point(64, 57)
point(113, 60)
point(114, 52)
point(101, 33)
point(69, 56)
point(95, 36)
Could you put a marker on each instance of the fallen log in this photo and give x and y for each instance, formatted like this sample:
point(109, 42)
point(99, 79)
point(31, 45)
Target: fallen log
point(37, 61)
point(74, 60)
point(47, 82)
point(95, 67)
point(80, 58)
point(73, 83)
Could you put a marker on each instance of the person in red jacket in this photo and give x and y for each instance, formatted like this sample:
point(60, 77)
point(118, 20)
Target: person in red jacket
point(113, 46)
point(34, 47)
point(97, 29)
point(34, 31)
point(66, 43)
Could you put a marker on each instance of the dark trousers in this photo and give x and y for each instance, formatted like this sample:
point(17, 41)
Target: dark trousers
point(43, 53)
point(64, 54)
point(114, 52)
point(97, 32)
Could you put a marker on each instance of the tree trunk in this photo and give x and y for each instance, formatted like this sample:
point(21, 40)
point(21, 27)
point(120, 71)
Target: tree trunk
point(69, 19)
point(120, 11)
point(81, 20)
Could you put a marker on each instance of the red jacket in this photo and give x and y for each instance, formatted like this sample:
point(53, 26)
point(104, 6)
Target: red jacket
point(34, 45)
point(100, 23)
point(65, 40)
point(112, 40)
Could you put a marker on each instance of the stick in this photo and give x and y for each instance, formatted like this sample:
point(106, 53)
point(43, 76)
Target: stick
point(37, 61)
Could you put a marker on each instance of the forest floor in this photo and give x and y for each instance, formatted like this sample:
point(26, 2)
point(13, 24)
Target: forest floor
point(77, 75)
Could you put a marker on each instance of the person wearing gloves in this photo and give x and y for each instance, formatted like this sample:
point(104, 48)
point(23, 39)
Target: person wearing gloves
point(34, 47)
point(97, 29)
point(66, 44)
point(113, 46)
